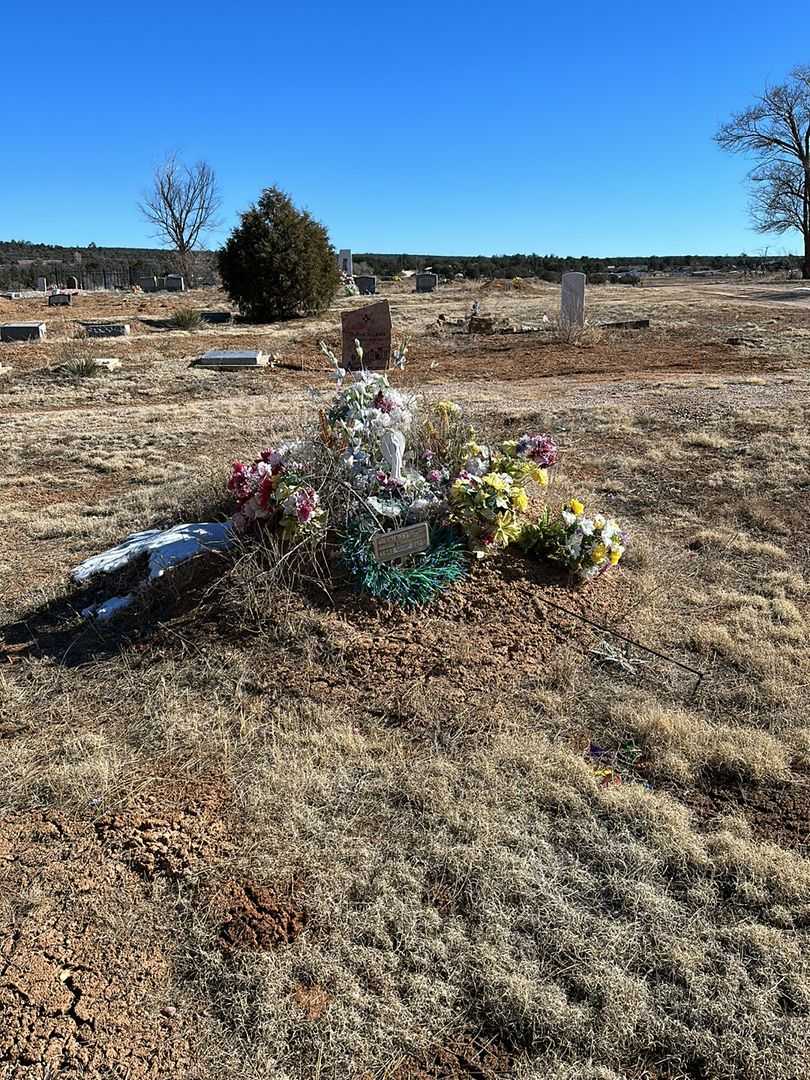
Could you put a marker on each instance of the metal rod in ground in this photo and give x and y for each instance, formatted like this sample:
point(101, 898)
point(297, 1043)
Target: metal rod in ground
point(630, 641)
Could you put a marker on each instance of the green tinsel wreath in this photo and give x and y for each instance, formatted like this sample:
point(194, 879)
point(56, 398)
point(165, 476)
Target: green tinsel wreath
point(412, 584)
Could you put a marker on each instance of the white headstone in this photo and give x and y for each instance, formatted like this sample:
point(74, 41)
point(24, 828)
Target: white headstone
point(572, 301)
point(345, 261)
point(392, 445)
point(42, 284)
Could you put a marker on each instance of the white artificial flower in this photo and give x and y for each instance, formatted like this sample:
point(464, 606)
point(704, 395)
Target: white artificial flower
point(385, 509)
point(587, 527)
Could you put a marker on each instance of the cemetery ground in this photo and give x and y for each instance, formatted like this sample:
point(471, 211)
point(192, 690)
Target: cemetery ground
point(298, 836)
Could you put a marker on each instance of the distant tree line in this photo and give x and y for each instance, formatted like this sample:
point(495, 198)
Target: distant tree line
point(22, 262)
point(551, 267)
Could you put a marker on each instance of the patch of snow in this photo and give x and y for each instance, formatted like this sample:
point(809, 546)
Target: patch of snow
point(166, 549)
point(108, 608)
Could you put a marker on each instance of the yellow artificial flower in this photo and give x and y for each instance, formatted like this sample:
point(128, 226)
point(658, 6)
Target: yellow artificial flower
point(540, 476)
point(520, 500)
point(447, 407)
point(598, 554)
point(615, 555)
point(495, 481)
point(576, 506)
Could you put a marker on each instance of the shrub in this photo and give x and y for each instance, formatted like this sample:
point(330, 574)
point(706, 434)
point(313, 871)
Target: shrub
point(186, 318)
point(278, 262)
point(75, 358)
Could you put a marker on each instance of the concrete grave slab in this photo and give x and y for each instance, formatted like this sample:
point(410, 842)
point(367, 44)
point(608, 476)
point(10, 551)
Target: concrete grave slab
point(108, 363)
point(231, 359)
point(626, 324)
point(216, 316)
point(60, 299)
point(106, 329)
point(371, 326)
point(22, 331)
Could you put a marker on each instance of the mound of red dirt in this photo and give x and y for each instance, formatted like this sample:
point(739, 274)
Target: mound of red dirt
point(171, 842)
point(85, 969)
point(256, 917)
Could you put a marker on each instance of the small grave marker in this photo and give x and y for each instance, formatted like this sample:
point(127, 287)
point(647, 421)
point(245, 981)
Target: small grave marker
point(371, 326)
point(231, 359)
point(216, 316)
point(572, 301)
point(60, 299)
point(42, 284)
point(108, 363)
point(106, 329)
point(22, 331)
point(175, 283)
point(72, 283)
point(148, 283)
point(400, 543)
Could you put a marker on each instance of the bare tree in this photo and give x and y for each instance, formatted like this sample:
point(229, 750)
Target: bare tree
point(776, 131)
point(182, 205)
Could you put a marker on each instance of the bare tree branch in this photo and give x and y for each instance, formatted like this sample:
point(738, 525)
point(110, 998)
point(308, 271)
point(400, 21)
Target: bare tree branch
point(776, 132)
point(182, 206)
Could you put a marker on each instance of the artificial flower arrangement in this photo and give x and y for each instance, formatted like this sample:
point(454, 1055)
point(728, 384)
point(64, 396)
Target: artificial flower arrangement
point(382, 460)
point(272, 490)
point(584, 545)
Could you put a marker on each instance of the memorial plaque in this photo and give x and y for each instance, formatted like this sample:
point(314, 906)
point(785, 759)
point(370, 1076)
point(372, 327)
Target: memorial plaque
point(399, 543)
point(231, 359)
point(104, 330)
point(371, 326)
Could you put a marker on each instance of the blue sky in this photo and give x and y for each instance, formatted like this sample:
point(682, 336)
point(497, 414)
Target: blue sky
point(423, 126)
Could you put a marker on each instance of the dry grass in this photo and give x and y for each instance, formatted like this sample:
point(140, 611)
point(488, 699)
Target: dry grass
point(463, 868)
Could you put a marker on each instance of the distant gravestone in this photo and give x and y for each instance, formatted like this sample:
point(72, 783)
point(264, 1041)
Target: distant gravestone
point(231, 359)
point(148, 282)
point(345, 261)
point(572, 301)
point(42, 284)
point(366, 284)
point(175, 283)
point(23, 331)
point(72, 283)
point(426, 282)
point(60, 299)
point(106, 329)
point(216, 316)
point(371, 326)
